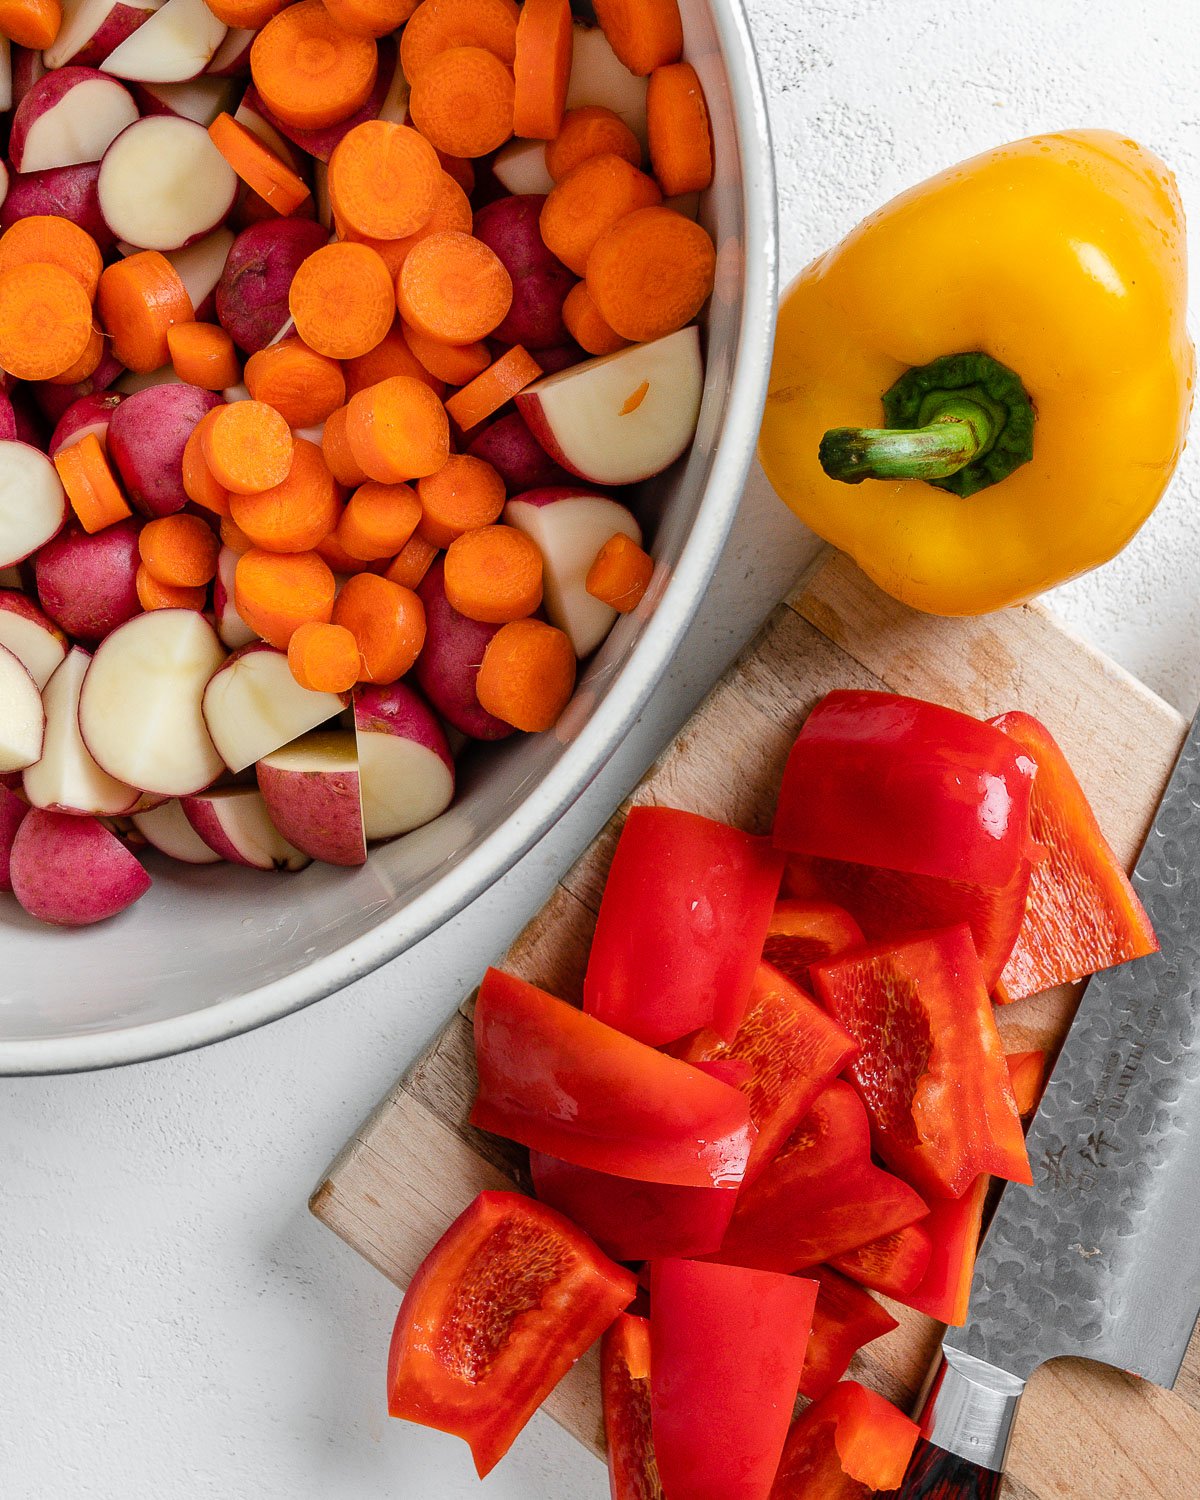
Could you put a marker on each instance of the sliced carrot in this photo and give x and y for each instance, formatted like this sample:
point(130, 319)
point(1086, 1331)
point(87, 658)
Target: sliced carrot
point(488, 392)
point(391, 356)
point(323, 657)
point(276, 592)
point(387, 622)
point(87, 363)
point(590, 199)
point(454, 288)
point(455, 364)
point(378, 520)
point(451, 210)
point(303, 386)
point(494, 574)
point(644, 34)
point(591, 130)
point(179, 551)
point(154, 595)
point(198, 483)
point(139, 300)
point(308, 70)
point(52, 240)
point(342, 299)
point(439, 25)
point(371, 17)
point(621, 573)
point(384, 180)
point(30, 23)
point(335, 446)
point(294, 515)
point(397, 430)
point(542, 68)
point(45, 320)
point(245, 15)
point(463, 101)
point(233, 537)
point(248, 447)
point(412, 562)
point(257, 165)
point(464, 494)
point(681, 151)
point(94, 493)
point(586, 326)
point(203, 354)
point(651, 273)
point(527, 676)
point(332, 551)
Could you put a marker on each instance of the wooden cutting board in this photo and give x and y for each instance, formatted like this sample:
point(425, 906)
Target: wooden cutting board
point(1084, 1430)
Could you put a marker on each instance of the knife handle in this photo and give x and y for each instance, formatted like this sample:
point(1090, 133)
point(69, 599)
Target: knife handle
point(935, 1474)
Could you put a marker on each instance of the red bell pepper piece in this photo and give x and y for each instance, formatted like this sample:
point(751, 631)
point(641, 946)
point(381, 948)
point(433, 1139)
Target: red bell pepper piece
point(844, 1446)
point(727, 1348)
point(890, 781)
point(844, 1319)
point(681, 925)
point(1028, 1073)
point(931, 1068)
point(1083, 914)
point(821, 1195)
point(562, 1082)
point(953, 1228)
point(792, 1050)
point(893, 1264)
point(502, 1306)
point(625, 1385)
point(803, 932)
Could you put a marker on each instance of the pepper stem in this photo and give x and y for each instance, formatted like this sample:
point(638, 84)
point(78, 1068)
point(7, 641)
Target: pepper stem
point(954, 438)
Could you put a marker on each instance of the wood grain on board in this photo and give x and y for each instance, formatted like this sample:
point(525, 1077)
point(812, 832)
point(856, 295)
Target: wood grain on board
point(1084, 1430)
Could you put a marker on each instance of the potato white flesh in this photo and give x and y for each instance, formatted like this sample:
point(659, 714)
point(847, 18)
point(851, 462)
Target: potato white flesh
point(598, 76)
point(66, 777)
point(166, 827)
point(71, 126)
point(22, 718)
point(253, 705)
point(235, 824)
point(176, 43)
point(33, 503)
point(31, 636)
point(164, 184)
point(92, 29)
point(521, 167)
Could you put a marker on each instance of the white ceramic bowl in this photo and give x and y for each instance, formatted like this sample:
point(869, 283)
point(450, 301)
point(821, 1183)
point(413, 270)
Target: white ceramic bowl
point(214, 951)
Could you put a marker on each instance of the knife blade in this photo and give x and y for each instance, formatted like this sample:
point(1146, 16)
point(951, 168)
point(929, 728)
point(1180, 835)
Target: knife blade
point(1099, 1258)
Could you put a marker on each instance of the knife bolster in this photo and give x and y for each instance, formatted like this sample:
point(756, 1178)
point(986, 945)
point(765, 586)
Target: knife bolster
point(968, 1408)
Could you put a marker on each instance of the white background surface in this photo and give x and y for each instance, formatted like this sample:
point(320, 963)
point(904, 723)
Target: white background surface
point(172, 1322)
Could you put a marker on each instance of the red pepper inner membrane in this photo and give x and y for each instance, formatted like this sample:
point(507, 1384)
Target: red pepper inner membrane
point(893, 1264)
point(625, 1383)
point(845, 1446)
point(803, 932)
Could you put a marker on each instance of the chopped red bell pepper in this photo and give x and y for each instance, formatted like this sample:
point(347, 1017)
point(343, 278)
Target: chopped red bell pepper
point(1028, 1073)
point(803, 932)
point(1083, 914)
point(562, 1082)
point(844, 1446)
point(845, 1318)
point(727, 1349)
point(953, 1228)
point(821, 1195)
point(931, 1068)
point(792, 1048)
point(907, 785)
point(502, 1306)
point(625, 1385)
point(893, 1264)
point(681, 925)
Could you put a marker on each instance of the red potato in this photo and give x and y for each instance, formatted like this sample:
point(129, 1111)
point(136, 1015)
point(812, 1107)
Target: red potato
point(31, 429)
point(147, 434)
point(177, 43)
point(68, 192)
point(252, 294)
point(54, 401)
point(33, 504)
point(233, 55)
point(166, 828)
point(67, 118)
point(405, 764)
point(200, 99)
point(66, 778)
point(133, 381)
point(254, 705)
point(232, 629)
point(6, 88)
point(540, 280)
point(73, 871)
point(22, 717)
point(31, 635)
point(3, 183)
point(12, 814)
point(560, 358)
point(87, 584)
point(199, 267)
point(26, 68)
point(517, 456)
point(312, 792)
point(234, 822)
point(520, 167)
point(449, 663)
point(92, 29)
point(89, 416)
point(163, 184)
point(8, 421)
point(321, 143)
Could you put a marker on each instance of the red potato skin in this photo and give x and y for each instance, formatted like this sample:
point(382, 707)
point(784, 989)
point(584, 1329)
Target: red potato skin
point(449, 663)
point(397, 709)
point(31, 428)
point(12, 814)
point(54, 401)
point(317, 812)
point(87, 584)
point(48, 91)
point(517, 456)
point(509, 226)
point(93, 412)
point(8, 421)
point(147, 434)
point(72, 871)
point(121, 22)
point(252, 294)
point(561, 357)
point(68, 192)
point(321, 143)
point(27, 68)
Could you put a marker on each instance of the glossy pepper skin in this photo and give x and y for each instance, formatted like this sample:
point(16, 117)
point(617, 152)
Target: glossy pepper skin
point(845, 1318)
point(1063, 258)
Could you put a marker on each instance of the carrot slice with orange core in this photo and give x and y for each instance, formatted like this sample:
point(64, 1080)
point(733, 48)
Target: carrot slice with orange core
point(451, 210)
point(644, 34)
point(303, 386)
point(384, 180)
point(154, 595)
point(387, 622)
point(296, 514)
point(586, 326)
point(494, 574)
point(590, 199)
point(412, 562)
point(454, 288)
point(257, 165)
point(203, 354)
point(179, 551)
point(488, 392)
point(45, 320)
point(651, 274)
point(439, 25)
point(391, 356)
point(248, 447)
point(527, 676)
point(397, 430)
point(620, 575)
point(464, 494)
point(198, 483)
point(93, 492)
point(309, 71)
point(245, 15)
point(335, 448)
point(591, 130)
point(542, 68)
point(276, 592)
point(139, 300)
point(454, 364)
point(378, 520)
point(30, 23)
point(681, 150)
point(323, 657)
point(342, 300)
point(52, 240)
point(371, 17)
point(86, 364)
point(463, 102)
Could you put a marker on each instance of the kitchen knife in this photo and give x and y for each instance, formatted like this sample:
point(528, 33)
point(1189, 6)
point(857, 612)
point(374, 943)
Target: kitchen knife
point(1100, 1258)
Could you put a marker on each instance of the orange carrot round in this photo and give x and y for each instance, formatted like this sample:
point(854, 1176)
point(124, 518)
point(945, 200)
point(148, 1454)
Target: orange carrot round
point(139, 300)
point(527, 676)
point(411, 563)
point(276, 592)
point(391, 356)
point(397, 430)
point(454, 288)
point(494, 574)
point(384, 180)
point(93, 492)
point(370, 17)
point(179, 551)
point(453, 364)
point(644, 34)
point(651, 273)
point(586, 326)
point(245, 15)
point(303, 386)
point(464, 494)
point(488, 392)
point(257, 165)
point(198, 483)
point(342, 299)
point(203, 354)
point(335, 448)
point(294, 515)
point(45, 320)
point(323, 657)
point(52, 240)
point(621, 573)
point(154, 595)
point(378, 520)
point(591, 130)
point(590, 199)
point(233, 537)
point(308, 70)
point(451, 210)
point(436, 26)
point(248, 447)
point(681, 151)
point(30, 23)
point(86, 364)
point(462, 101)
point(542, 68)
point(387, 622)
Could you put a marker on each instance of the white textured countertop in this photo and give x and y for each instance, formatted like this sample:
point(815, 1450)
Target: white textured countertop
point(174, 1323)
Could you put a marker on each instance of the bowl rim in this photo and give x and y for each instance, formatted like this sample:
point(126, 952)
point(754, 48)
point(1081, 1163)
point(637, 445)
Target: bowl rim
point(595, 744)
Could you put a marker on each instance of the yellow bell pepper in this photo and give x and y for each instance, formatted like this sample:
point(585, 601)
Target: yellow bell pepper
point(1020, 321)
